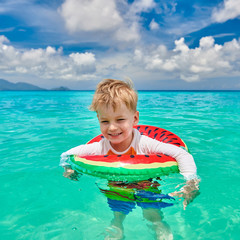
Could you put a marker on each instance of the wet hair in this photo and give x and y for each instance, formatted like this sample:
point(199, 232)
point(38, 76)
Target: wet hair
point(111, 92)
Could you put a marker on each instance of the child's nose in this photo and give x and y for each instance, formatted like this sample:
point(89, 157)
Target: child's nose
point(112, 127)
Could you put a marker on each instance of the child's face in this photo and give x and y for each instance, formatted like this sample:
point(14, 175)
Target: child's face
point(117, 126)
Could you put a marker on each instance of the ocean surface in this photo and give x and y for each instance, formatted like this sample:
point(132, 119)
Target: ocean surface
point(38, 203)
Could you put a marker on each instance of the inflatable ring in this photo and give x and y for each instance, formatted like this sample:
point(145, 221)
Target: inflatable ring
point(131, 167)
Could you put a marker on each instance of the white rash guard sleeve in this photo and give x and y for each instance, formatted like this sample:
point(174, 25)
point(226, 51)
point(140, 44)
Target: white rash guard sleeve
point(142, 145)
point(86, 149)
point(186, 164)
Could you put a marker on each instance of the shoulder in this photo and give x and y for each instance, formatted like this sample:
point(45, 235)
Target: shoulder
point(143, 143)
point(143, 139)
point(85, 149)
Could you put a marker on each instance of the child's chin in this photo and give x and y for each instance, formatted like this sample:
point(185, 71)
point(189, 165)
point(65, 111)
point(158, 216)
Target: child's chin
point(115, 141)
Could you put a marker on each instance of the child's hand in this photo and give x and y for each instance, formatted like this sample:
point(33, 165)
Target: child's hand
point(70, 174)
point(188, 192)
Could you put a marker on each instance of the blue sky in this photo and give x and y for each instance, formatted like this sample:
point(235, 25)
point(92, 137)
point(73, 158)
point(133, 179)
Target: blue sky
point(175, 44)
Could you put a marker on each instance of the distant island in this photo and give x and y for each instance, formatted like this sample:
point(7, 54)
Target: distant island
point(22, 86)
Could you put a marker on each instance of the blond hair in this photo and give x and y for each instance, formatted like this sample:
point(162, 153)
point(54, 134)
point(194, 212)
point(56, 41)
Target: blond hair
point(111, 92)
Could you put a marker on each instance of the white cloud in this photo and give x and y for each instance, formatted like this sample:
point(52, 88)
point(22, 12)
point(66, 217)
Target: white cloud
point(127, 34)
point(142, 6)
point(83, 59)
point(221, 35)
point(153, 25)
point(10, 29)
point(230, 9)
point(181, 46)
point(90, 15)
point(206, 61)
point(108, 19)
point(49, 63)
point(3, 39)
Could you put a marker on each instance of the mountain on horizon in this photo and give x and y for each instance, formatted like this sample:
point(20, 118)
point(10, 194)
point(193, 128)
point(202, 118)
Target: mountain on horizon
point(22, 86)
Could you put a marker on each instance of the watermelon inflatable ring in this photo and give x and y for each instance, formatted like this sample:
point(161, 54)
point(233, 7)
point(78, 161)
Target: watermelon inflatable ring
point(131, 167)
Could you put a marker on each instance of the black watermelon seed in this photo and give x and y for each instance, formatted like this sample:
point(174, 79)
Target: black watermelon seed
point(141, 133)
point(102, 136)
point(105, 155)
point(159, 155)
point(170, 134)
point(177, 144)
point(132, 156)
point(155, 135)
point(146, 155)
point(146, 128)
point(138, 128)
point(165, 139)
point(119, 155)
point(169, 141)
point(149, 132)
point(162, 135)
point(174, 138)
point(164, 131)
point(156, 129)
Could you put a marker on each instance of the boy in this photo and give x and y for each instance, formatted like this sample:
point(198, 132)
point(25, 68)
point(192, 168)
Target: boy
point(115, 103)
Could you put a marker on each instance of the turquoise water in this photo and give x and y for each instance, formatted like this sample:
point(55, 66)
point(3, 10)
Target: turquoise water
point(38, 203)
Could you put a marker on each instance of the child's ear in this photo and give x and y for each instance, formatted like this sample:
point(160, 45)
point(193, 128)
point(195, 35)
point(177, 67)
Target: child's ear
point(136, 118)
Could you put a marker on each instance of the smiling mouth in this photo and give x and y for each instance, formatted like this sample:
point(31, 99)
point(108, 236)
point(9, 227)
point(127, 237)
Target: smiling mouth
point(114, 134)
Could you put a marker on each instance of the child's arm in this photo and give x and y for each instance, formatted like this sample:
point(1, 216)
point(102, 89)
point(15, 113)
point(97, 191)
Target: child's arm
point(187, 168)
point(70, 174)
point(188, 192)
point(186, 164)
point(87, 149)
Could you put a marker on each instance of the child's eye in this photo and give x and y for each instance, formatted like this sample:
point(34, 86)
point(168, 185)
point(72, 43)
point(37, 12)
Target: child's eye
point(104, 121)
point(121, 119)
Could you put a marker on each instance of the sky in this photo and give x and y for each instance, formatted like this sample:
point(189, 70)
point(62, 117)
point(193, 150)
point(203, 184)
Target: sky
point(159, 44)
